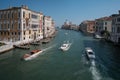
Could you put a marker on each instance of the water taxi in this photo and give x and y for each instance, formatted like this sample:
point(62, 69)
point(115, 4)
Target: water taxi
point(33, 54)
point(89, 53)
point(65, 46)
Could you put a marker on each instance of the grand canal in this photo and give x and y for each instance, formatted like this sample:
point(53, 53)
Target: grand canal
point(54, 64)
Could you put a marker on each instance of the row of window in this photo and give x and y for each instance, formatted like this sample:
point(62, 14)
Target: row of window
point(11, 39)
point(113, 29)
point(116, 20)
point(97, 23)
point(30, 37)
point(34, 16)
point(30, 15)
point(12, 14)
point(30, 32)
point(9, 21)
point(25, 14)
point(34, 26)
point(13, 33)
point(12, 26)
point(9, 15)
point(117, 30)
point(8, 33)
point(8, 26)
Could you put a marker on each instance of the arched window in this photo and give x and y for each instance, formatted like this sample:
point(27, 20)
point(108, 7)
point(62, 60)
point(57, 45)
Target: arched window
point(23, 14)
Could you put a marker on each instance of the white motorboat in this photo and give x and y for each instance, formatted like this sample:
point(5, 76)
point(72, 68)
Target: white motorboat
point(65, 46)
point(89, 53)
point(33, 54)
point(98, 36)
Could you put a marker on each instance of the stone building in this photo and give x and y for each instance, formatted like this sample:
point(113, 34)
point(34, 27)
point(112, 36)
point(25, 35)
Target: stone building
point(115, 34)
point(103, 24)
point(20, 24)
point(48, 27)
point(87, 26)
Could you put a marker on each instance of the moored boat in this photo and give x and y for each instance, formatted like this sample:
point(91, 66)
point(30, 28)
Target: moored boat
point(97, 36)
point(31, 55)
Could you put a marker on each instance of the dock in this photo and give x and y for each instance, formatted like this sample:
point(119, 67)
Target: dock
point(35, 43)
point(22, 46)
point(46, 40)
point(5, 48)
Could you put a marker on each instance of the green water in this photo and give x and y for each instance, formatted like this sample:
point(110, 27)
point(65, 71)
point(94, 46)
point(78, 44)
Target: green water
point(54, 64)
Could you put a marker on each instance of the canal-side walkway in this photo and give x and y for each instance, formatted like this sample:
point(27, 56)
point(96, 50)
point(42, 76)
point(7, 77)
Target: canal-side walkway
point(11, 45)
point(5, 48)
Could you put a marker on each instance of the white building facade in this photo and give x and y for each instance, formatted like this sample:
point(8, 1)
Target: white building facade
point(20, 24)
point(103, 24)
point(48, 27)
point(115, 35)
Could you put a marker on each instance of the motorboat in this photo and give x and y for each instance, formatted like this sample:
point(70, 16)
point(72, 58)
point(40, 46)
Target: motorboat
point(31, 55)
point(65, 46)
point(98, 36)
point(89, 53)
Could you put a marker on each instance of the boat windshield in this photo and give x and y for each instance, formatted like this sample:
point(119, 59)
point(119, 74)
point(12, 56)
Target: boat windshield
point(90, 53)
point(64, 45)
point(34, 51)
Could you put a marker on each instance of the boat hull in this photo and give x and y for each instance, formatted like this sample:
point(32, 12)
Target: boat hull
point(90, 57)
point(65, 48)
point(33, 56)
point(89, 54)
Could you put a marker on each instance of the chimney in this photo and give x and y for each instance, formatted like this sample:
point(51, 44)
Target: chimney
point(119, 11)
point(10, 6)
point(24, 6)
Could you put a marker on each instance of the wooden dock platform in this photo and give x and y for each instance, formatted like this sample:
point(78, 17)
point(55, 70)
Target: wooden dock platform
point(47, 40)
point(22, 46)
point(36, 43)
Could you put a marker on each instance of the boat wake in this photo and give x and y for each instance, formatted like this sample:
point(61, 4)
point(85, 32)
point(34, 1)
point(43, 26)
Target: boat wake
point(93, 63)
point(95, 73)
point(80, 72)
point(84, 60)
point(49, 47)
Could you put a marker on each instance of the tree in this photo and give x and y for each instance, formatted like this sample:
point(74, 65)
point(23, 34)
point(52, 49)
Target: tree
point(105, 34)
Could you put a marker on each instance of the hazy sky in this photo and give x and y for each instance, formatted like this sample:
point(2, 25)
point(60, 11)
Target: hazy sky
point(72, 10)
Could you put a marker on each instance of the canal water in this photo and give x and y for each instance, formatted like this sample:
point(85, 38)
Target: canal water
point(54, 64)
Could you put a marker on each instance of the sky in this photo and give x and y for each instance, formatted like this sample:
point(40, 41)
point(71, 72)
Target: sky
point(75, 11)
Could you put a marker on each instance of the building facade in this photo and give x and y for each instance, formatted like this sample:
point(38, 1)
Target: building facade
point(20, 24)
point(10, 24)
point(69, 25)
point(48, 26)
point(87, 26)
point(103, 24)
point(115, 35)
point(66, 25)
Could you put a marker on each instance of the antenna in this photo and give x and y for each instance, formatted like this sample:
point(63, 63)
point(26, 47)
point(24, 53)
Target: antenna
point(10, 6)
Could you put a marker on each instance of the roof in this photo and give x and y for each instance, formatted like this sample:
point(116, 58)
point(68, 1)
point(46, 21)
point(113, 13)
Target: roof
point(104, 18)
point(22, 7)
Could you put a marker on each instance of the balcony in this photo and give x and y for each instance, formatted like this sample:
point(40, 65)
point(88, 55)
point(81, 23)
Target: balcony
point(27, 28)
point(35, 29)
point(4, 29)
